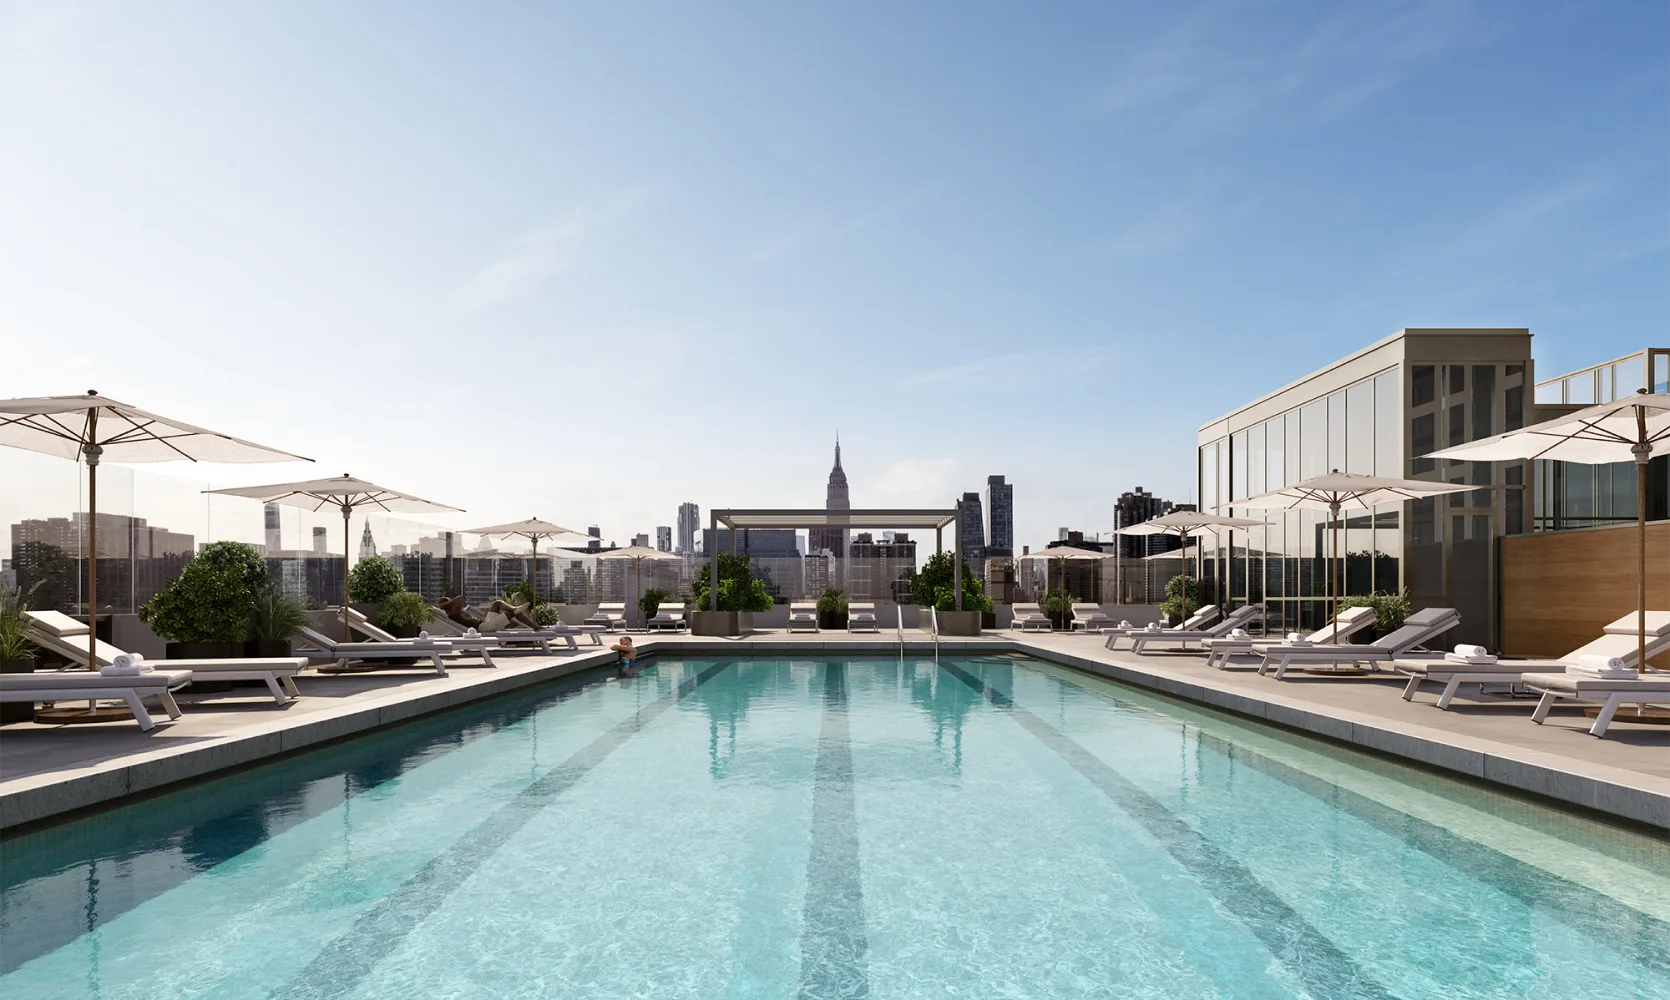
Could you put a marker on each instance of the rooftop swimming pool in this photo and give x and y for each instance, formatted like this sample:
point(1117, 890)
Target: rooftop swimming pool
point(869, 827)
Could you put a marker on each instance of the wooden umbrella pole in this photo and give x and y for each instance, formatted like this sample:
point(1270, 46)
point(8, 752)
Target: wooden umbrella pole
point(92, 452)
point(1643, 454)
point(534, 571)
point(347, 513)
point(1183, 561)
point(1333, 578)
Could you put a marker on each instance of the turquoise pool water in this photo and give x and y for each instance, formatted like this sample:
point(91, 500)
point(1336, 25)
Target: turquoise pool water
point(987, 827)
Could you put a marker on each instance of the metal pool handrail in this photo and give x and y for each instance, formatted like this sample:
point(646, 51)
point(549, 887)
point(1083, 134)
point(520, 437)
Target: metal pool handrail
point(933, 618)
point(901, 611)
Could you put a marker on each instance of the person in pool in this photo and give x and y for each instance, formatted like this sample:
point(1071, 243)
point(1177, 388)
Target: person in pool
point(626, 655)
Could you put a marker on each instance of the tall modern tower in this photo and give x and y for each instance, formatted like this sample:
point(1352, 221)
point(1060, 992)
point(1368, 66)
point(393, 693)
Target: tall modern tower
point(269, 514)
point(836, 497)
point(1000, 517)
point(664, 538)
point(368, 548)
point(688, 516)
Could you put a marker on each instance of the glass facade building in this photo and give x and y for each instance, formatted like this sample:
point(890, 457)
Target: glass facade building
point(1571, 496)
point(1375, 412)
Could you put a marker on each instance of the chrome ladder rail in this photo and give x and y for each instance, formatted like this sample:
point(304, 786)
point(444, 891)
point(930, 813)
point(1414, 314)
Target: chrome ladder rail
point(933, 618)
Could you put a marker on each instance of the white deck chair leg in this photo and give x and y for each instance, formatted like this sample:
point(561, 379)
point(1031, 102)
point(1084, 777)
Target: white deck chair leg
point(137, 706)
point(1413, 686)
point(1547, 702)
point(279, 694)
point(168, 704)
point(440, 668)
point(487, 657)
point(1449, 692)
point(290, 686)
point(1281, 669)
point(1607, 711)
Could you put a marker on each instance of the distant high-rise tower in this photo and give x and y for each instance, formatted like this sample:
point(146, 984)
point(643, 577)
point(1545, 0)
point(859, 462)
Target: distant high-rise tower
point(969, 519)
point(319, 540)
point(368, 548)
point(269, 513)
point(1000, 517)
point(688, 516)
point(664, 538)
point(836, 497)
point(641, 541)
point(1134, 508)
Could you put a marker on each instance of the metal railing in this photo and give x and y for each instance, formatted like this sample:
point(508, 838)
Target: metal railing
point(901, 611)
point(933, 619)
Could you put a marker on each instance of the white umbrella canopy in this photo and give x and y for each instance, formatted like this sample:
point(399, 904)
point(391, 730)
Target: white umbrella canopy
point(1186, 524)
point(1065, 553)
point(1339, 491)
point(346, 493)
point(1631, 429)
point(533, 529)
point(92, 427)
point(638, 553)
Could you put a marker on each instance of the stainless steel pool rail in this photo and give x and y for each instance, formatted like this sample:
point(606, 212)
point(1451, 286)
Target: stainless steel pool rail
point(900, 609)
point(933, 619)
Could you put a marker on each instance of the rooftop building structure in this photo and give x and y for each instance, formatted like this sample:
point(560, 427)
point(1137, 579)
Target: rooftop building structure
point(689, 522)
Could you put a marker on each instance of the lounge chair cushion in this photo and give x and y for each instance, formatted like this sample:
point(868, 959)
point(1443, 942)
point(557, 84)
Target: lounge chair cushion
point(1575, 684)
point(47, 680)
point(57, 623)
point(1658, 625)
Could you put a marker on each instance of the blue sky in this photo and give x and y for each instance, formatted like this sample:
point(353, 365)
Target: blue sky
point(635, 254)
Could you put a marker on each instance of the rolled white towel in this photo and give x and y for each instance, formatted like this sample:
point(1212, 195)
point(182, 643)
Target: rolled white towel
point(471, 633)
point(1125, 624)
point(1295, 639)
point(1601, 667)
point(112, 670)
point(1460, 658)
point(1238, 633)
point(423, 636)
point(134, 661)
point(1469, 652)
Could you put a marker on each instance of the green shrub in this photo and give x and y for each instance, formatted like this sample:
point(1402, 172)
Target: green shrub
point(1057, 603)
point(373, 581)
point(833, 601)
point(1172, 606)
point(276, 617)
point(932, 588)
point(14, 638)
point(738, 590)
point(212, 598)
point(1389, 609)
point(651, 600)
point(546, 614)
point(406, 609)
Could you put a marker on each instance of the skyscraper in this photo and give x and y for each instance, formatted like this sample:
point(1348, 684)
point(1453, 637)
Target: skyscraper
point(368, 548)
point(836, 497)
point(688, 516)
point(1134, 508)
point(664, 538)
point(970, 520)
point(1000, 517)
point(269, 514)
point(318, 539)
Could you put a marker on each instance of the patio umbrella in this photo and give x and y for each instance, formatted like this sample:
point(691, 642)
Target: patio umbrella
point(533, 529)
point(1064, 553)
point(1628, 429)
point(344, 492)
point(638, 553)
point(1338, 491)
point(1183, 524)
point(92, 428)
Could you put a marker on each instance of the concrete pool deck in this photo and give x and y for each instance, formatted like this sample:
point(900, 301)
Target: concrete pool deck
point(49, 770)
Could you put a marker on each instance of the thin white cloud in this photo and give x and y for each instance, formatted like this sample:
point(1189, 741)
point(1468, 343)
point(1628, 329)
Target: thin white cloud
point(532, 258)
point(965, 370)
point(918, 480)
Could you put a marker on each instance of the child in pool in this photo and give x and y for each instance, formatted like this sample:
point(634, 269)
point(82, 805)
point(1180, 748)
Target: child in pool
point(626, 655)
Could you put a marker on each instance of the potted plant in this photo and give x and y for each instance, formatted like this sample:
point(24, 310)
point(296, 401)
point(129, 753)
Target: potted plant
point(1389, 611)
point(204, 612)
point(1172, 606)
point(404, 614)
point(373, 581)
point(932, 588)
point(17, 653)
point(832, 609)
point(274, 619)
point(739, 596)
point(1058, 605)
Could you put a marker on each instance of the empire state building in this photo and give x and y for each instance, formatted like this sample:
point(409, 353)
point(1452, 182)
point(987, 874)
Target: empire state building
point(836, 497)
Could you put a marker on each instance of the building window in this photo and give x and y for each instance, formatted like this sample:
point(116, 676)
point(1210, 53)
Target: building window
point(1388, 425)
point(1276, 441)
point(1458, 379)
point(1359, 428)
point(1423, 385)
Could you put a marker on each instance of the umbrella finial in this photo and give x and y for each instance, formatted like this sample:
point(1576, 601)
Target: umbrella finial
point(92, 392)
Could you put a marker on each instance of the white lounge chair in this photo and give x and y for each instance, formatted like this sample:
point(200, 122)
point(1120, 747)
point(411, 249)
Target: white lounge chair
point(548, 640)
point(1089, 617)
point(342, 652)
point(1418, 629)
point(803, 615)
point(1344, 625)
point(669, 616)
point(68, 638)
point(1617, 641)
point(482, 645)
point(1246, 614)
point(1030, 616)
point(1199, 620)
point(90, 685)
point(862, 617)
point(1650, 688)
point(609, 615)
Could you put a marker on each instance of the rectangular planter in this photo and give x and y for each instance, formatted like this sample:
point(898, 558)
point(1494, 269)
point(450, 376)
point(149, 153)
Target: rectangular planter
point(715, 623)
point(959, 623)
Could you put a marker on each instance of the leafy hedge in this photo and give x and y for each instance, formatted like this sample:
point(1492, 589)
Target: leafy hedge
point(212, 598)
point(373, 581)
